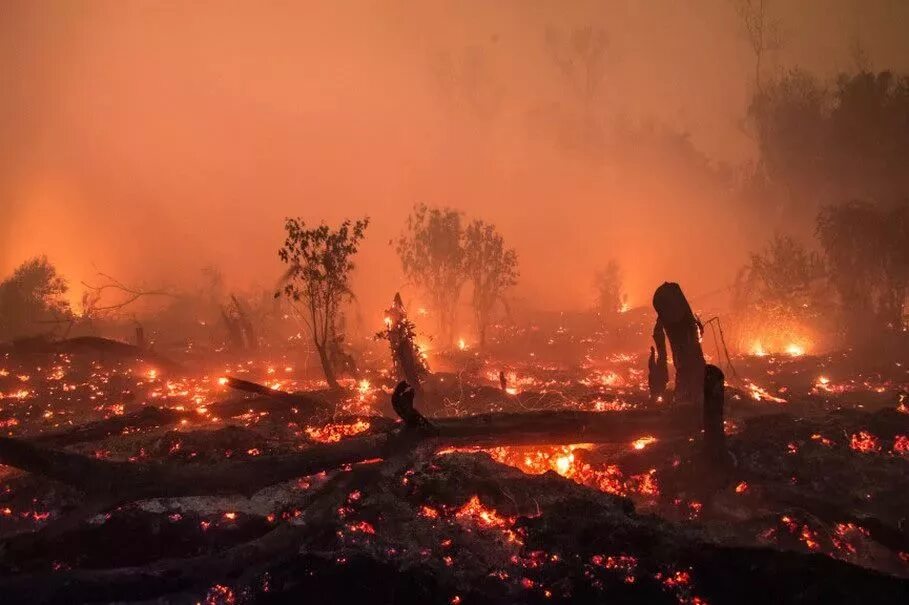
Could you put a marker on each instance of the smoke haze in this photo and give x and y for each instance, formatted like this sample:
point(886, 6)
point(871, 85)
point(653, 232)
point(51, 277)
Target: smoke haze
point(150, 139)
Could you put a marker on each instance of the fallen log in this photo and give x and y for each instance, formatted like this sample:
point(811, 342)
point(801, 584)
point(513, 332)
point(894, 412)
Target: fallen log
point(239, 564)
point(141, 480)
point(147, 417)
point(175, 575)
point(305, 402)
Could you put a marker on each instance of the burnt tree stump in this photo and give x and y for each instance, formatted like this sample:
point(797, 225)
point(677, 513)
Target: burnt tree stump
point(657, 365)
point(714, 435)
point(682, 329)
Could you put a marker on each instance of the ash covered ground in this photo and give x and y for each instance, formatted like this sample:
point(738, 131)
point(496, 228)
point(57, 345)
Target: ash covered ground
point(811, 506)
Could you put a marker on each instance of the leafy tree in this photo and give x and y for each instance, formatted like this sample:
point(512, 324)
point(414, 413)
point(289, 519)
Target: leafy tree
point(432, 255)
point(782, 278)
point(608, 283)
point(31, 295)
point(320, 261)
point(865, 246)
point(492, 268)
point(828, 144)
point(779, 295)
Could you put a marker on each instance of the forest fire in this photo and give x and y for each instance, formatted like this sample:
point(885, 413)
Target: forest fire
point(454, 303)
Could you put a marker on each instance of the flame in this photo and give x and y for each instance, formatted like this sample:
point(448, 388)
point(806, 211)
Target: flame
point(864, 442)
point(462, 345)
point(759, 394)
point(643, 442)
point(795, 350)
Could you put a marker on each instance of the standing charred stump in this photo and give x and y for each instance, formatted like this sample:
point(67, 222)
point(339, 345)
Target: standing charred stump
point(657, 365)
point(682, 329)
point(714, 435)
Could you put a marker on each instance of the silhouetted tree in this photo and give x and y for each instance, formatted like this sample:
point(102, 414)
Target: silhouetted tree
point(31, 295)
point(580, 57)
point(867, 253)
point(492, 269)
point(779, 295)
point(400, 332)
point(783, 278)
point(320, 261)
point(761, 30)
point(822, 145)
point(431, 249)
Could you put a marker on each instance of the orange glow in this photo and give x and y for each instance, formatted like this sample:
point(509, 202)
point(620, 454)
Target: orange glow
point(643, 442)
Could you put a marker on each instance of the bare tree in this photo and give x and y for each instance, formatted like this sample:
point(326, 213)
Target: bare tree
point(432, 255)
point(492, 268)
point(761, 31)
point(96, 301)
point(320, 262)
point(581, 59)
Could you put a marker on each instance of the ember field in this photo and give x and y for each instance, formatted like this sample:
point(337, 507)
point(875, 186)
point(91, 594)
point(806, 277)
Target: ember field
point(568, 485)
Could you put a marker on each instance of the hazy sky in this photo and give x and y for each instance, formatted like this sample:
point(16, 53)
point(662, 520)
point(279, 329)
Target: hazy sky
point(149, 139)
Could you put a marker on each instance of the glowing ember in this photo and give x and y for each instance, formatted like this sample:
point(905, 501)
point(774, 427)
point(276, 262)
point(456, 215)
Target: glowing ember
point(643, 442)
point(822, 440)
point(475, 512)
point(864, 442)
point(332, 433)
point(759, 394)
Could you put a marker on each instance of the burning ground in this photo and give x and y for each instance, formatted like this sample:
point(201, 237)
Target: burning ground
point(131, 477)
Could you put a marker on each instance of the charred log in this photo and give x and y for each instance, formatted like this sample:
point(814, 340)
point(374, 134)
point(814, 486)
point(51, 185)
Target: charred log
point(147, 417)
point(402, 402)
point(714, 434)
point(305, 402)
point(131, 481)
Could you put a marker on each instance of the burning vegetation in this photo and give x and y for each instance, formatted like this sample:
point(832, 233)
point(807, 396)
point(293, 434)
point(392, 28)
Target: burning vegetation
point(194, 442)
point(238, 477)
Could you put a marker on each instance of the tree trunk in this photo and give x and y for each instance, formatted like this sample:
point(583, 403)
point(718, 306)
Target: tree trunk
point(327, 369)
point(675, 315)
